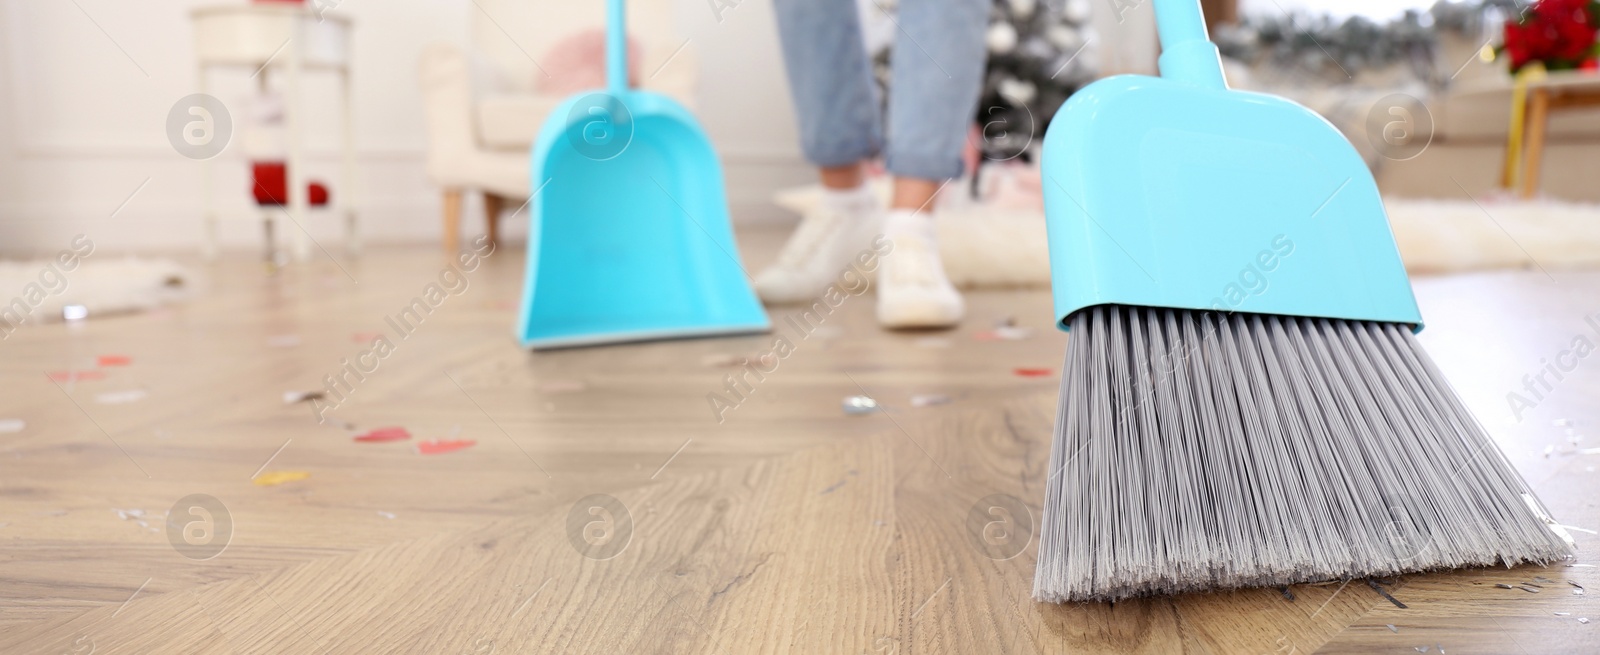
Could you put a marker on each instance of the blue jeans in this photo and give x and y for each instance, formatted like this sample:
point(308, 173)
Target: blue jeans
point(938, 60)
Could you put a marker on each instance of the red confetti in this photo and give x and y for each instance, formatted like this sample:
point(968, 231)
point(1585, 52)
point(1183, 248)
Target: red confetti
point(114, 360)
point(385, 434)
point(68, 376)
point(1034, 372)
point(440, 446)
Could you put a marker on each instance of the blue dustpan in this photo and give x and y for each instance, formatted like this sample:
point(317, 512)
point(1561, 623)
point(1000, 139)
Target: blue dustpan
point(1178, 192)
point(630, 238)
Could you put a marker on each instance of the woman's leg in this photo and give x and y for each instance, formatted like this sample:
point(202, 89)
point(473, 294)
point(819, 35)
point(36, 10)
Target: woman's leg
point(938, 63)
point(836, 104)
point(830, 79)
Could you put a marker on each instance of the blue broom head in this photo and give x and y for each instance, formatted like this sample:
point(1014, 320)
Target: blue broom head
point(1178, 192)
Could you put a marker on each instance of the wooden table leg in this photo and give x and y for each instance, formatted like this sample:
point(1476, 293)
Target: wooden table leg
point(492, 204)
point(1533, 153)
point(452, 221)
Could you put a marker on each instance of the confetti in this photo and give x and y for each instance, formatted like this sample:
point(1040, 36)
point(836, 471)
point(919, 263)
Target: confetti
point(1392, 628)
point(828, 332)
point(126, 514)
point(1033, 372)
point(120, 397)
point(1583, 620)
point(1589, 451)
point(720, 360)
point(1505, 586)
point(366, 337)
point(283, 340)
point(1563, 613)
point(11, 425)
point(74, 312)
point(292, 397)
point(387, 515)
point(114, 360)
point(1561, 422)
point(929, 400)
point(69, 376)
point(441, 446)
point(274, 478)
point(1004, 333)
point(1549, 449)
point(859, 405)
point(384, 434)
point(562, 386)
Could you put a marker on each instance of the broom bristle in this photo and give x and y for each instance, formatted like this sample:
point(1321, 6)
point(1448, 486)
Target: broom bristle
point(1206, 450)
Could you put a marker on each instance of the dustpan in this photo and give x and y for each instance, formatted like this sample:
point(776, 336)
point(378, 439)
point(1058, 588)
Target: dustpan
point(630, 238)
point(1176, 191)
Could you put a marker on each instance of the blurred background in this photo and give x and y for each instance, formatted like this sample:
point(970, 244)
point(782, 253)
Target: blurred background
point(444, 97)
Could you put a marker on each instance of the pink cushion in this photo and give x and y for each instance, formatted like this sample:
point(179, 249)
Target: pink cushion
point(578, 63)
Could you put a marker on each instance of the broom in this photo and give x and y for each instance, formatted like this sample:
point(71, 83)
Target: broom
point(1243, 401)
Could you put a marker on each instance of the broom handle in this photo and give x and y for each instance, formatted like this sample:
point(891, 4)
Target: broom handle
point(616, 47)
point(1187, 54)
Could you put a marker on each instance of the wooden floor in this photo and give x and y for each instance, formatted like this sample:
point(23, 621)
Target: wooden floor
point(788, 527)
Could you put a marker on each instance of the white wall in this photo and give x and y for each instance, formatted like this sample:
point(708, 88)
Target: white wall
point(85, 98)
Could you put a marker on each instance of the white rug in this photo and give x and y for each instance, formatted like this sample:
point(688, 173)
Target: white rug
point(989, 246)
point(41, 289)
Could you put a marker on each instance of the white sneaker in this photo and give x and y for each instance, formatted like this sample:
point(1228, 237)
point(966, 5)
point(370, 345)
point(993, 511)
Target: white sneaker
point(828, 238)
point(913, 291)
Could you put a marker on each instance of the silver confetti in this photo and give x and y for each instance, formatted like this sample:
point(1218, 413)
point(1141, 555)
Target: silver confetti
point(74, 312)
point(929, 400)
point(1393, 629)
point(859, 405)
point(292, 397)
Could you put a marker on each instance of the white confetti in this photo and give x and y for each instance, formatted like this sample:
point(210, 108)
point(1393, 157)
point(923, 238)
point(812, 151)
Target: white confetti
point(929, 400)
point(387, 515)
point(120, 397)
point(292, 397)
point(10, 425)
point(859, 405)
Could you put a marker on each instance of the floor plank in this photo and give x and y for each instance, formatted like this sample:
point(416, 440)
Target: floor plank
point(782, 526)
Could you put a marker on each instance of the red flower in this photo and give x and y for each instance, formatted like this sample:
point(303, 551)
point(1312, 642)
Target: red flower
point(1560, 33)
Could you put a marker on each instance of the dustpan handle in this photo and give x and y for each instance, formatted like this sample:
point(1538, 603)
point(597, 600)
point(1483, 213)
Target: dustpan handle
point(1187, 54)
point(616, 47)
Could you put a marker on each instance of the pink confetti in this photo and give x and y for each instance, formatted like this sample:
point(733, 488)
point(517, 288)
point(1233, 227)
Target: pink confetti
point(385, 434)
point(441, 446)
point(114, 360)
point(69, 376)
point(366, 337)
point(1034, 372)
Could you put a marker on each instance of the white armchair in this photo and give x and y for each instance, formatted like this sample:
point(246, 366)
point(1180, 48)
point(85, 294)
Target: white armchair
point(485, 107)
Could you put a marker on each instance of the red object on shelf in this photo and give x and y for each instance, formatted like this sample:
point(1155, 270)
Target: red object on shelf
point(272, 184)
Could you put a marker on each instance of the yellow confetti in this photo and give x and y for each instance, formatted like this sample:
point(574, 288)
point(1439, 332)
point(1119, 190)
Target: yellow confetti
point(272, 478)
